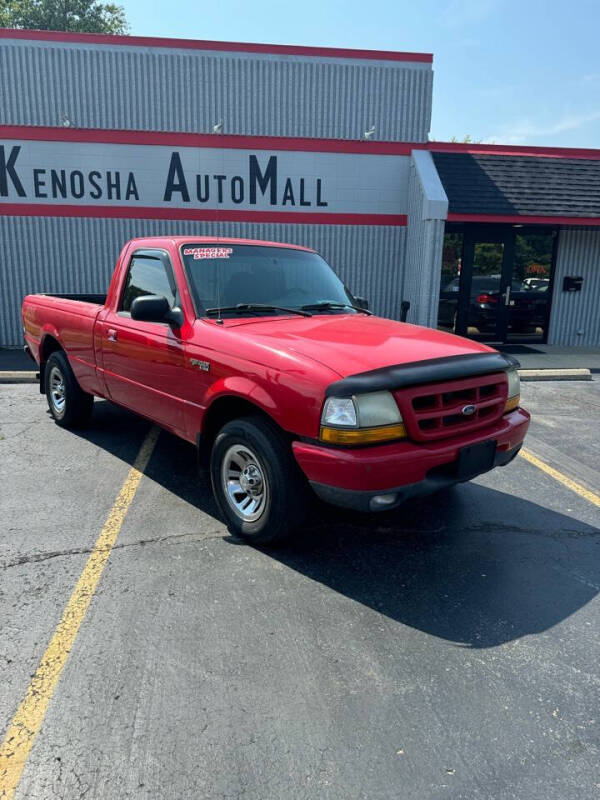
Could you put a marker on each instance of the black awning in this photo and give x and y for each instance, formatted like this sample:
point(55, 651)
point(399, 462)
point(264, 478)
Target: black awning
point(520, 185)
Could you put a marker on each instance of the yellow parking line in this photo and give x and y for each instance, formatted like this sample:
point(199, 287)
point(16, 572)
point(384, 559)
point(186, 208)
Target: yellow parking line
point(558, 476)
point(27, 722)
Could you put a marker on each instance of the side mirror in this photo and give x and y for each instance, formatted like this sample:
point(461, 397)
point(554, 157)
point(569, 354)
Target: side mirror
point(361, 302)
point(404, 309)
point(155, 308)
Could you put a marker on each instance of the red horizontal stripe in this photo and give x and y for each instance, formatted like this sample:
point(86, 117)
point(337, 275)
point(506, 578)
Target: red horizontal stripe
point(524, 219)
point(165, 138)
point(230, 141)
point(200, 44)
point(200, 214)
point(513, 150)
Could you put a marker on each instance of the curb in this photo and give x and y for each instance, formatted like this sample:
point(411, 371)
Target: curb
point(555, 374)
point(20, 376)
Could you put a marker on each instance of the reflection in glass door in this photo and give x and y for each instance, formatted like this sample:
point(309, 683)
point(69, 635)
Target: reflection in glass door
point(450, 281)
point(495, 284)
point(485, 299)
point(529, 308)
point(470, 301)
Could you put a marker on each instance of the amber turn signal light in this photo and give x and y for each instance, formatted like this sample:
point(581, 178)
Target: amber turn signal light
point(349, 436)
point(512, 403)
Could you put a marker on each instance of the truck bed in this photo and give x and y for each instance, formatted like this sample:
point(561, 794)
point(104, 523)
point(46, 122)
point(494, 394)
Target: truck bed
point(98, 299)
point(69, 319)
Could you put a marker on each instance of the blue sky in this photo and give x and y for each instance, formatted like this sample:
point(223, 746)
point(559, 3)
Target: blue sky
point(505, 71)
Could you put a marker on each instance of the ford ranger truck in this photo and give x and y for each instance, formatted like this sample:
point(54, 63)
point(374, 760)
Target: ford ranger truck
point(258, 354)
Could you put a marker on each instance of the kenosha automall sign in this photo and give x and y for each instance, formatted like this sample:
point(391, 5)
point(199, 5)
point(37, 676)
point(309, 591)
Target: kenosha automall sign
point(89, 173)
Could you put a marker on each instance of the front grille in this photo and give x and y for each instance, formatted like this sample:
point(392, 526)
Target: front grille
point(438, 410)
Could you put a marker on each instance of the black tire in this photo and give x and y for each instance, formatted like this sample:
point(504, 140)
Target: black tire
point(281, 492)
point(69, 405)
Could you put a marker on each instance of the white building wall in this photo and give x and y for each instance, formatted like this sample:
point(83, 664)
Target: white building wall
point(575, 316)
point(126, 87)
point(138, 88)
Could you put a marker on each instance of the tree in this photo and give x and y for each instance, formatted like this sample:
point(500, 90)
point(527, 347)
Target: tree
point(466, 140)
point(77, 16)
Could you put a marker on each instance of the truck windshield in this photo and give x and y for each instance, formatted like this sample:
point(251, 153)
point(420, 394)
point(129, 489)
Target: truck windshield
point(223, 276)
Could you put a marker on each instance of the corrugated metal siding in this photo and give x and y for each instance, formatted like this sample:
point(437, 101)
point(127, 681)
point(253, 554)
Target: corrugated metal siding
point(78, 255)
point(154, 89)
point(423, 258)
point(578, 254)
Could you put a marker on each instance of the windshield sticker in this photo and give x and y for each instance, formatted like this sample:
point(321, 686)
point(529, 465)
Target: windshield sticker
point(208, 252)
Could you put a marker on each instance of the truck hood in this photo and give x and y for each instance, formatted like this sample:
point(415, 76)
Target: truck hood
point(353, 343)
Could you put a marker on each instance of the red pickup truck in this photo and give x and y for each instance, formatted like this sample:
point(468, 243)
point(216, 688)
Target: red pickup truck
point(257, 353)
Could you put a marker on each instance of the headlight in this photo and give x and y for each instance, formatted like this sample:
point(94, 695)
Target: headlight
point(339, 411)
point(514, 383)
point(376, 408)
point(514, 390)
point(361, 419)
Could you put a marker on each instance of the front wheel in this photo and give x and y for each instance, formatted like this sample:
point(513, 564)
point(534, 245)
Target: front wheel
point(70, 406)
point(258, 486)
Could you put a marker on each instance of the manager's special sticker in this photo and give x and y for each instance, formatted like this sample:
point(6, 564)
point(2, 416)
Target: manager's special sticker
point(207, 252)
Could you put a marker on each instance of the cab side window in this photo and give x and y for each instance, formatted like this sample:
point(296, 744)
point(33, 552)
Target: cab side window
point(147, 275)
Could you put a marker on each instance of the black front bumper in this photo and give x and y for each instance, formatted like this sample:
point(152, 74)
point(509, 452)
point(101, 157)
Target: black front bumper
point(436, 479)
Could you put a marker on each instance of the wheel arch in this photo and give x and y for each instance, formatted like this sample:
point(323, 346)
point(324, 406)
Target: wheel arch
point(48, 345)
point(222, 410)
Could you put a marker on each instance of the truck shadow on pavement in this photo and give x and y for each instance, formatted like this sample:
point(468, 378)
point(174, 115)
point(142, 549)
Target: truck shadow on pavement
point(172, 465)
point(474, 566)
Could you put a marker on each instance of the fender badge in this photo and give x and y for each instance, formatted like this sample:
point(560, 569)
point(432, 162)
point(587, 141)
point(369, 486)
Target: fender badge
point(203, 365)
point(467, 410)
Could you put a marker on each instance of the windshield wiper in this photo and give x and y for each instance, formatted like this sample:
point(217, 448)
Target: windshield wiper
point(258, 307)
point(327, 304)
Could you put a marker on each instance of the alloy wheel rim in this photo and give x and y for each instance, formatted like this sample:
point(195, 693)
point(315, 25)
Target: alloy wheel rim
point(244, 483)
point(57, 391)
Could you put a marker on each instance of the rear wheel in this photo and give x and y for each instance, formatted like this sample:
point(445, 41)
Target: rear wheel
point(70, 406)
point(258, 486)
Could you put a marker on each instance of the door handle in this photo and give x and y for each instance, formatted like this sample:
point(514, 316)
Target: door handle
point(111, 335)
point(506, 296)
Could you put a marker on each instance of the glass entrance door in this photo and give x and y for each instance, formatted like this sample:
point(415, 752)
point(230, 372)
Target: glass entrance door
point(470, 303)
point(481, 311)
point(529, 309)
point(496, 284)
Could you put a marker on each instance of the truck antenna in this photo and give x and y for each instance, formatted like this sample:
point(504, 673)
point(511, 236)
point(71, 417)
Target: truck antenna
point(219, 318)
point(218, 128)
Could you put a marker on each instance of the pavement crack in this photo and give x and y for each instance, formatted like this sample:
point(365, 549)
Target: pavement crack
point(175, 538)
point(35, 558)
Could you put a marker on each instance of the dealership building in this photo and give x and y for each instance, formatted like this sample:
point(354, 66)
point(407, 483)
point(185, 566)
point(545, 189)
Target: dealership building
point(103, 138)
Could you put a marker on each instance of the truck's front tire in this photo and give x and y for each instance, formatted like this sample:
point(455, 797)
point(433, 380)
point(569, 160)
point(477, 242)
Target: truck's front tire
point(257, 484)
point(69, 405)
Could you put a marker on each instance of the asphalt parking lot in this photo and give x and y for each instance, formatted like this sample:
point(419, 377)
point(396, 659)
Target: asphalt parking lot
point(448, 649)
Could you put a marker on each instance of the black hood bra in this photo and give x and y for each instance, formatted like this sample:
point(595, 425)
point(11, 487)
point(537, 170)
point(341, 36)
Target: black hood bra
point(419, 373)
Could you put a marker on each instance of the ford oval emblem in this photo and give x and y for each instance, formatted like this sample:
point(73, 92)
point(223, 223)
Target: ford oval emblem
point(467, 410)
